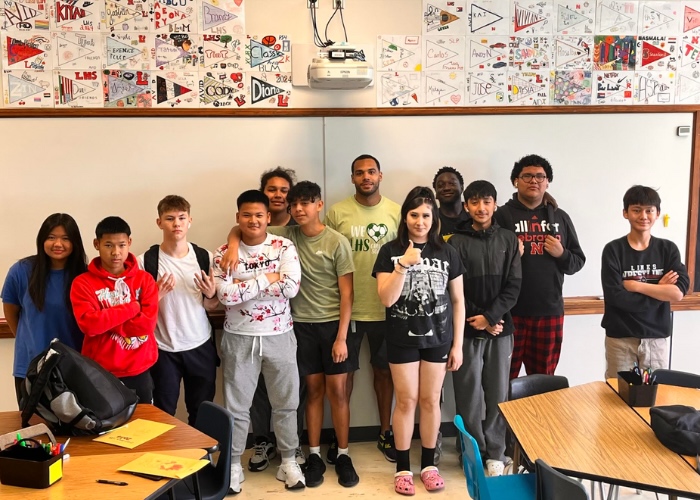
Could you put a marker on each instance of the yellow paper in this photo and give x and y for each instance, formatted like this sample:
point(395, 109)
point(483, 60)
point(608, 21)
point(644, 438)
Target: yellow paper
point(164, 465)
point(134, 433)
point(55, 471)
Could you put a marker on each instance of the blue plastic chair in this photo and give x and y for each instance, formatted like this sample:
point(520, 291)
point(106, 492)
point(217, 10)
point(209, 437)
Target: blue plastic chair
point(480, 487)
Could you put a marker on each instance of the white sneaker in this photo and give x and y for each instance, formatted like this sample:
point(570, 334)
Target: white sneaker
point(291, 474)
point(508, 466)
point(494, 468)
point(300, 457)
point(237, 478)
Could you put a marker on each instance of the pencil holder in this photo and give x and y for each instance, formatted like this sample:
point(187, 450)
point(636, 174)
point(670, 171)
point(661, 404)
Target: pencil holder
point(29, 467)
point(635, 394)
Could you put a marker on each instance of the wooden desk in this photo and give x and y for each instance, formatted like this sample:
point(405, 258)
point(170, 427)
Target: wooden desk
point(181, 437)
point(587, 431)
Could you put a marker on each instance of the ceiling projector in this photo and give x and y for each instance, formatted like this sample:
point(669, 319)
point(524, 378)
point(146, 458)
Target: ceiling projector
point(340, 67)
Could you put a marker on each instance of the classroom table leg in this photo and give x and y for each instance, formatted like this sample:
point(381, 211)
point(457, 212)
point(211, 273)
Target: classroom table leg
point(195, 484)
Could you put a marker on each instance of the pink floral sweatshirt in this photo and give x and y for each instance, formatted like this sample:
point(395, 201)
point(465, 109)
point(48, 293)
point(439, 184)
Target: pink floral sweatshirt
point(253, 305)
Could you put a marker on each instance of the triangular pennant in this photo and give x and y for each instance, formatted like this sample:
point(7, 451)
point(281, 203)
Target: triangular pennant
point(614, 87)
point(214, 16)
point(21, 13)
point(167, 52)
point(70, 90)
point(479, 18)
point(74, 51)
point(657, 18)
point(20, 89)
point(687, 87)
point(567, 18)
point(610, 18)
point(691, 54)
point(168, 15)
point(261, 90)
point(444, 54)
point(439, 88)
point(439, 18)
point(213, 90)
point(652, 53)
point(18, 50)
point(691, 19)
point(118, 13)
point(260, 54)
point(395, 88)
point(118, 88)
point(480, 53)
point(68, 12)
point(522, 88)
point(485, 88)
point(167, 90)
point(525, 18)
point(392, 53)
point(567, 53)
point(118, 51)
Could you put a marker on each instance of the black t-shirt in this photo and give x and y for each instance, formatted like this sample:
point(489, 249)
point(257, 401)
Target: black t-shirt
point(448, 225)
point(422, 316)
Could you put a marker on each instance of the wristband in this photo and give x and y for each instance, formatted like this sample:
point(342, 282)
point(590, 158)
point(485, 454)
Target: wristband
point(399, 263)
point(400, 271)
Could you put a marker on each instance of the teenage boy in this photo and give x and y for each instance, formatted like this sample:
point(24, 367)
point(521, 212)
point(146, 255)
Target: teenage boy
point(321, 313)
point(185, 279)
point(492, 279)
point(641, 276)
point(116, 306)
point(551, 250)
point(368, 220)
point(448, 184)
point(258, 334)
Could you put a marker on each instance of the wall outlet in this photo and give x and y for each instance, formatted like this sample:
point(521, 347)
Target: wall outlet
point(312, 3)
point(337, 3)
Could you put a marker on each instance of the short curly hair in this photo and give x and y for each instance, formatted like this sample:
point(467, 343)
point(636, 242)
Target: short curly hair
point(448, 170)
point(531, 161)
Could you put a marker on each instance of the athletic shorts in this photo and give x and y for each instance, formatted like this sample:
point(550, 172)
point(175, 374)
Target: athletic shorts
point(315, 349)
point(375, 331)
point(399, 355)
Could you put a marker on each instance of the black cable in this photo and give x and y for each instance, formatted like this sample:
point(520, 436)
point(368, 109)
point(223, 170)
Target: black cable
point(337, 8)
point(343, 22)
point(318, 42)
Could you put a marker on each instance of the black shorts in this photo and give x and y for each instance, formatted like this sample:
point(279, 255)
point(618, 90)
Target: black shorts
point(375, 331)
point(399, 355)
point(315, 349)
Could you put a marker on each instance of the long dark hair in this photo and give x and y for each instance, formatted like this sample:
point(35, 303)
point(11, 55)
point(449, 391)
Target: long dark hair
point(415, 198)
point(76, 263)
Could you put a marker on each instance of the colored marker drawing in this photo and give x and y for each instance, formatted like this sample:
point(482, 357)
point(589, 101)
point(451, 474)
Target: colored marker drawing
point(444, 88)
point(222, 89)
point(659, 18)
point(528, 88)
point(657, 53)
point(530, 17)
point(444, 16)
point(654, 87)
point(27, 51)
point(77, 50)
point(127, 15)
point(268, 53)
point(24, 15)
point(615, 17)
point(77, 89)
point(444, 53)
point(613, 87)
point(128, 51)
point(222, 17)
point(614, 53)
point(67, 15)
point(489, 17)
point(27, 89)
point(399, 89)
point(574, 18)
point(398, 53)
point(178, 51)
point(127, 89)
point(571, 88)
point(573, 52)
point(530, 53)
point(487, 88)
point(170, 17)
point(270, 90)
point(175, 89)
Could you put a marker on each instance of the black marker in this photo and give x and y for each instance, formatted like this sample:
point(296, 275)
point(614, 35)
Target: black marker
point(115, 483)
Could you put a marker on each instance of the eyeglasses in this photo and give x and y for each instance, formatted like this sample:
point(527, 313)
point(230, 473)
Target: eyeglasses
point(528, 178)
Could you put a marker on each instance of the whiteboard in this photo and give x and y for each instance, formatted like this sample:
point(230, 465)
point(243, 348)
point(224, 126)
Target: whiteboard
point(595, 159)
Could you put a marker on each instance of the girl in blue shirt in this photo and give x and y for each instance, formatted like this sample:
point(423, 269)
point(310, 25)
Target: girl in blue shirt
point(36, 293)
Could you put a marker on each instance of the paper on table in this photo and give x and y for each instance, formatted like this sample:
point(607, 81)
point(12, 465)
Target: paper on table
point(134, 433)
point(164, 465)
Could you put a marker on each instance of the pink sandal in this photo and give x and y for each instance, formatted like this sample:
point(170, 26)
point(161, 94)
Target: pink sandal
point(432, 480)
point(403, 483)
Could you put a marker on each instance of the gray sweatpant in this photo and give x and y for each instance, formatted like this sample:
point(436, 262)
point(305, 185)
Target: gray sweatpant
point(244, 357)
point(480, 384)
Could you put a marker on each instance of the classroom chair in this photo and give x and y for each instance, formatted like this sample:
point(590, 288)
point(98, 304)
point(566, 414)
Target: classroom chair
point(215, 422)
point(553, 485)
point(480, 487)
point(678, 378)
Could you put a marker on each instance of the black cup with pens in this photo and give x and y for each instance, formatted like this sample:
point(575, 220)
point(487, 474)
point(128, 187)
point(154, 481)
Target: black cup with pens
point(31, 464)
point(637, 387)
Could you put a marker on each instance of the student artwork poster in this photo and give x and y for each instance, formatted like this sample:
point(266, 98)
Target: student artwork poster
point(127, 89)
point(657, 53)
point(23, 15)
point(30, 51)
point(571, 88)
point(688, 88)
point(222, 89)
point(399, 53)
point(74, 16)
point(77, 89)
point(488, 53)
point(528, 88)
point(444, 88)
point(614, 53)
point(690, 18)
point(270, 90)
point(654, 87)
point(127, 16)
point(574, 18)
point(444, 17)
point(531, 18)
point(659, 18)
point(613, 87)
point(129, 51)
point(573, 52)
point(269, 53)
point(487, 88)
point(489, 17)
point(614, 17)
point(690, 52)
point(222, 17)
point(444, 53)
point(72, 50)
point(175, 89)
point(399, 89)
point(224, 52)
point(178, 51)
point(27, 89)
point(166, 17)
point(530, 53)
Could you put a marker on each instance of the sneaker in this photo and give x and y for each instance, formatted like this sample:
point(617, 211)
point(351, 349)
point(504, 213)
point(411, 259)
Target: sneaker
point(314, 470)
point(332, 454)
point(403, 483)
point(508, 466)
point(300, 457)
point(237, 478)
point(386, 446)
point(347, 476)
point(438, 449)
point(291, 474)
point(432, 480)
point(494, 468)
point(263, 452)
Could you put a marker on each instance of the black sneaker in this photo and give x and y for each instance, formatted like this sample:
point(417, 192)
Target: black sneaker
point(263, 452)
point(314, 470)
point(386, 446)
point(332, 454)
point(346, 472)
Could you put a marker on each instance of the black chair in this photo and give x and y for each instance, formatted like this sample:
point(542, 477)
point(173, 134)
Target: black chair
point(214, 480)
point(675, 377)
point(553, 485)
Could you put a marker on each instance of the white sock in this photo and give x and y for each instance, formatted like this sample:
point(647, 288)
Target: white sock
point(342, 451)
point(315, 449)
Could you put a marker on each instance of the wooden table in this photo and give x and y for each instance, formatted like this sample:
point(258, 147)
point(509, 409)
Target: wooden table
point(91, 460)
point(587, 431)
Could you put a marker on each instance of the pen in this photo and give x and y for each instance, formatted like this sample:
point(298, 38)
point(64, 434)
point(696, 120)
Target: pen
point(115, 483)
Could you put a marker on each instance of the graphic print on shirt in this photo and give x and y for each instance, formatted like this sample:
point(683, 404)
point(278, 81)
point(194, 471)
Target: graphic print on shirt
point(423, 295)
point(534, 232)
point(120, 295)
point(644, 273)
point(367, 238)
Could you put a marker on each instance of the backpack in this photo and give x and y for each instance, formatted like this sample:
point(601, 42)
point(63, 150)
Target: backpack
point(74, 394)
point(150, 260)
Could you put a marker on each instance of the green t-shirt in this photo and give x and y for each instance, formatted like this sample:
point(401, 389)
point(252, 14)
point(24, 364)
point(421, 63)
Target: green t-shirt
point(323, 259)
point(367, 229)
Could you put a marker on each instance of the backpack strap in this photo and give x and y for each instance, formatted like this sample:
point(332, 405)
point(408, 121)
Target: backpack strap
point(550, 214)
point(150, 261)
point(29, 403)
point(202, 258)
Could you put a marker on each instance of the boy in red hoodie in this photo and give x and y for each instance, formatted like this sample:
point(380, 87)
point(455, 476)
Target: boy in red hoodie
point(116, 307)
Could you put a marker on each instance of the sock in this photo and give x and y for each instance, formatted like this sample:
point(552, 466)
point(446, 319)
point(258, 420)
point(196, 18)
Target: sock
point(427, 457)
point(287, 456)
point(315, 449)
point(403, 461)
point(235, 460)
point(342, 451)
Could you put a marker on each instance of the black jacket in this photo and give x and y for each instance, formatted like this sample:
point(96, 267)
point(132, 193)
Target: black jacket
point(493, 274)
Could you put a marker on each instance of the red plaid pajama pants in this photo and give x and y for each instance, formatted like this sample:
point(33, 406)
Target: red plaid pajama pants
point(537, 344)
